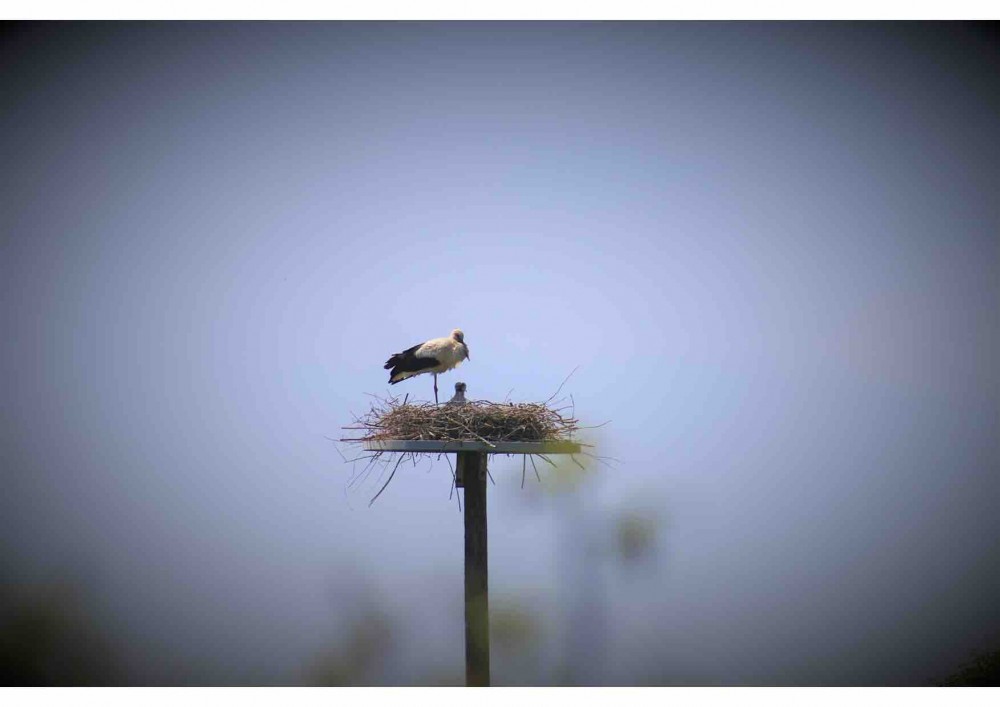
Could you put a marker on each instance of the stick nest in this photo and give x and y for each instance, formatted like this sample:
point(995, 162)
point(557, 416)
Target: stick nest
point(479, 420)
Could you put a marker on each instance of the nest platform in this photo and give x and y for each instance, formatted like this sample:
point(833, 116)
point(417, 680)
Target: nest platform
point(465, 445)
point(472, 426)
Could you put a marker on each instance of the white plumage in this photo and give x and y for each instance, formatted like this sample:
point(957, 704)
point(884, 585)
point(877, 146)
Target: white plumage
point(434, 356)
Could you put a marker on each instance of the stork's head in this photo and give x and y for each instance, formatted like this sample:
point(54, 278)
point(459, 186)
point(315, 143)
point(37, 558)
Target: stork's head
point(460, 387)
point(458, 336)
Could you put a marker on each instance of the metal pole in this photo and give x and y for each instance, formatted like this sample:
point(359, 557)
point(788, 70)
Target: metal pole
point(472, 472)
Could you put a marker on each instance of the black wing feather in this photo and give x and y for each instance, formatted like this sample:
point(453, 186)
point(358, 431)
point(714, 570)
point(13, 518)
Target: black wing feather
point(396, 358)
point(412, 364)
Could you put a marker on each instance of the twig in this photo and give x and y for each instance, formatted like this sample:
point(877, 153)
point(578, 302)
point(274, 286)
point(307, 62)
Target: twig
point(602, 460)
point(454, 479)
point(551, 463)
point(387, 480)
point(562, 384)
point(594, 427)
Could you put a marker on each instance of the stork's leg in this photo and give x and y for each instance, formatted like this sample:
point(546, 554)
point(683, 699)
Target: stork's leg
point(435, 388)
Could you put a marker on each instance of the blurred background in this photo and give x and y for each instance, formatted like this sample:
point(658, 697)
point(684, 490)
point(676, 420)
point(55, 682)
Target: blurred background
point(770, 248)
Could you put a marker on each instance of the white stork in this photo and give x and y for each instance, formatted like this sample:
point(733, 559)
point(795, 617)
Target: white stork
point(434, 356)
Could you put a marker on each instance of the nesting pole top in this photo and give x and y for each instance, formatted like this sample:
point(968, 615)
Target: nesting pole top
point(441, 446)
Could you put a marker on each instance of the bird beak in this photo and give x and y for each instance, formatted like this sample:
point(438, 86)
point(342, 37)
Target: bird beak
point(467, 354)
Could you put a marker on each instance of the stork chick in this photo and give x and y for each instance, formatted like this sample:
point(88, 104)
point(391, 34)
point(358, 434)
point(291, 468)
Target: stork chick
point(459, 397)
point(434, 356)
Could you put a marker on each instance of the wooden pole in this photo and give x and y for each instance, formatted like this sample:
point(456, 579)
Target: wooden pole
point(471, 474)
point(471, 470)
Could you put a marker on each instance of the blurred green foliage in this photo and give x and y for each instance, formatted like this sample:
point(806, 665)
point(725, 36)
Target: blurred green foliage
point(635, 535)
point(358, 659)
point(48, 638)
point(983, 670)
point(513, 628)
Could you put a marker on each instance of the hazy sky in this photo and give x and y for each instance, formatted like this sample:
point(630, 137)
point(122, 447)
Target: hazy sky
point(771, 249)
